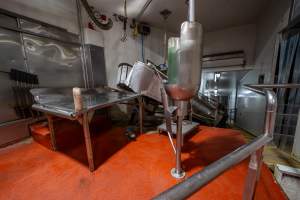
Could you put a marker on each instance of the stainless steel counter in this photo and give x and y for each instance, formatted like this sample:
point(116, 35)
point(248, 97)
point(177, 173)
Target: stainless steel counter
point(60, 103)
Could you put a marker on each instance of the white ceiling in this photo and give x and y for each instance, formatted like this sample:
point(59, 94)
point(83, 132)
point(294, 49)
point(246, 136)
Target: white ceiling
point(212, 14)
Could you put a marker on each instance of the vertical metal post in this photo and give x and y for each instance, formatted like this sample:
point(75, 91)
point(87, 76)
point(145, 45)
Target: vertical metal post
point(52, 133)
point(141, 113)
point(23, 47)
point(192, 10)
point(253, 174)
point(82, 48)
point(88, 142)
point(177, 172)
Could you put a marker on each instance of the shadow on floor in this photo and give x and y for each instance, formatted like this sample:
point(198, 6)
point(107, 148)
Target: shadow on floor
point(105, 140)
point(207, 151)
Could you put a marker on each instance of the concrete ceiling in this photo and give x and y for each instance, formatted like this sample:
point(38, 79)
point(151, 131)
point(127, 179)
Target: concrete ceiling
point(212, 14)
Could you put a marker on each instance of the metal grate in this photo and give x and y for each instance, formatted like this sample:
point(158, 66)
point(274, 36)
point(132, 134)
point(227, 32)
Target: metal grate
point(285, 126)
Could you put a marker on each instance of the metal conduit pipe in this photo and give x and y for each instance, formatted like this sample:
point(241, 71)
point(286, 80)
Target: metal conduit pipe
point(82, 42)
point(270, 86)
point(188, 187)
point(192, 10)
point(146, 5)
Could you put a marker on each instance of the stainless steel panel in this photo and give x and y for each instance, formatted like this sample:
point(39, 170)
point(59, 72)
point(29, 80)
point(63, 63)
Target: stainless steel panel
point(250, 114)
point(48, 31)
point(11, 56)
point(95, 66)
point(8, 21)
point(142, 79)
point(13, 132)
point(56, 64)
point(250, 111)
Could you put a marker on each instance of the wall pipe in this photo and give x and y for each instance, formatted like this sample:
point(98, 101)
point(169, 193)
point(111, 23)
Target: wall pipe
point(146, 5)
point(82, 42)
point(269, 86)
point(188, 187)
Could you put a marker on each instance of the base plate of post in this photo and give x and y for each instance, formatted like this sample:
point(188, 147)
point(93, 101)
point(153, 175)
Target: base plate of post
point(177, 175)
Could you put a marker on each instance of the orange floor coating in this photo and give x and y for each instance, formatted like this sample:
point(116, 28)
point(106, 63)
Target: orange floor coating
point(124, 170)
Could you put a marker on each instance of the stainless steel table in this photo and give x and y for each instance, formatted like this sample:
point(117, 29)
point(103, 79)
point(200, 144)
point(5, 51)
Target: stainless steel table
point(60, 103)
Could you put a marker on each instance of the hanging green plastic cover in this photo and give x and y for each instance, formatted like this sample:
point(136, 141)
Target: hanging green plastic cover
point(173, 59)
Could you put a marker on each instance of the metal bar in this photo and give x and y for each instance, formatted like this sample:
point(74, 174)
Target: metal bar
point(269, 86)
point(178, 144)
point(141, 113)
point(53, 111)
point(23, 46)
point(82, 42)
point(52, 133)
point(88, 142)
point(192, 10)
point(146, 5)
point(253, 174)
point(168, 116)
point(200, 179)
point(177, 172)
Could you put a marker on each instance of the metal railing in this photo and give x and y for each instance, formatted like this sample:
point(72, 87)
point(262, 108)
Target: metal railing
point(253, 149)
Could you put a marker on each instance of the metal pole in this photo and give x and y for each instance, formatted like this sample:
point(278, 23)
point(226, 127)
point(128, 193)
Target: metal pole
point(141, 113)
point(82, 42)
point(253, 174)
point(192, 10)
point(88, 142)
point(270, 86)
point(177, 172)
point(138, 17)
point(52, 133)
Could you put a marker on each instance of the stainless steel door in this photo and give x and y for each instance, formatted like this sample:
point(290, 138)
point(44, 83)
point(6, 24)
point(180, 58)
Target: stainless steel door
point(11, 56)
point(57, 64)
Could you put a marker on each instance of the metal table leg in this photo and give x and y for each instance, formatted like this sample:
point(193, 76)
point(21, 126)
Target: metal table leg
point(88, 142)
point(253, 174)
point(141, 113)
point(52, 133)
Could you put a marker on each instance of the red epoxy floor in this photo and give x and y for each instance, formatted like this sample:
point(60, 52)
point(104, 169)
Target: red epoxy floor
point(125, 170)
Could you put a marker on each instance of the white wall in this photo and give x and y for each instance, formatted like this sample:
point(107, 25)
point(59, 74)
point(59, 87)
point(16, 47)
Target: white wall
point(232, 39)
point(273, 19)
point(117, 52)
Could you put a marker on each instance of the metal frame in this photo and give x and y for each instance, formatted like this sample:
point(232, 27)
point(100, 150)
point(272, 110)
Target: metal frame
point(83, 118)
point(188, 187)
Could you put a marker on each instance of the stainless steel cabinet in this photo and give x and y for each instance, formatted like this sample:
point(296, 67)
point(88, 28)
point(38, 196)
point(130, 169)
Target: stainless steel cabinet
point(57, 64)
point(11, 56)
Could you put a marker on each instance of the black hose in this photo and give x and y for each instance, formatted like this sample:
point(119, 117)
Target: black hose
point(92, 16)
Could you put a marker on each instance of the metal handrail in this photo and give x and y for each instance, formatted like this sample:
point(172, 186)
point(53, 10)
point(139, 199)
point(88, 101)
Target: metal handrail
point(254, 148)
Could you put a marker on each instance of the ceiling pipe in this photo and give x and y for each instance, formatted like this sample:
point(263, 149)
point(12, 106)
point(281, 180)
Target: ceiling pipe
point(138, 17)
